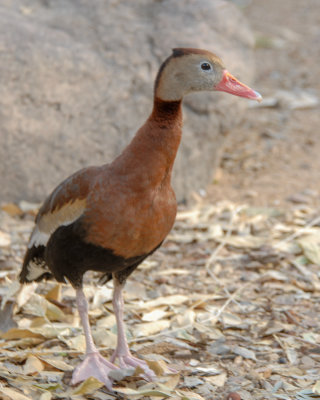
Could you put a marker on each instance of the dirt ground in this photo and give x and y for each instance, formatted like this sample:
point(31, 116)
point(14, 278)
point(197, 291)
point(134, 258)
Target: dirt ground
point(273, 158)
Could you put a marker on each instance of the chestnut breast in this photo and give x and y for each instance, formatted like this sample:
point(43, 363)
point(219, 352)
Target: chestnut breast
point(129, 218)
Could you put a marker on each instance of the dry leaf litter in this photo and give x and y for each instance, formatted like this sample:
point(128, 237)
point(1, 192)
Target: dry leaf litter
point(229, 304)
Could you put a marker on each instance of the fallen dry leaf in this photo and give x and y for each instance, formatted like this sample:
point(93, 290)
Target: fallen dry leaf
point(54, 293)
point(25, 293)
point(159, 367)
point(217, 380)
point(87, 387)
point(56, 363)
point(13, 394)
point(32, 365)
point(146, 390)
point(39, 306)
point(46, 396)
point(316, 387)
point(154, 315)
point(151, 328)
point(311, 247)
point(245, 353)
point(173, 300)
point(16, 333)
point(189, 395)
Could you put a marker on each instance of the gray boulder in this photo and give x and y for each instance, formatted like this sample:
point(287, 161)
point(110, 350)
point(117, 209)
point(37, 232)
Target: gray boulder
point(76, 82)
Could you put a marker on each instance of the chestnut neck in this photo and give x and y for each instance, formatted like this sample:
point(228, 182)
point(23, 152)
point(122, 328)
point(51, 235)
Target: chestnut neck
point(166, 111)
point(153, 149)
point(165, 129)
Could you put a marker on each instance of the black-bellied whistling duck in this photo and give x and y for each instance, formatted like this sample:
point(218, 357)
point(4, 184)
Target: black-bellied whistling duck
point(110, 218)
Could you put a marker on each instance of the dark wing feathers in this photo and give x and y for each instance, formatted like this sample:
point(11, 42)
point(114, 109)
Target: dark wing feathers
point(62, 207)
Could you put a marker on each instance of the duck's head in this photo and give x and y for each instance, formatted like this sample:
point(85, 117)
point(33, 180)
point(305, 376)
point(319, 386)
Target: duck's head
point(192, 70)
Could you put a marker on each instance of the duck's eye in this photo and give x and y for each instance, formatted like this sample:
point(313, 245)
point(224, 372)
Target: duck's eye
point(205, 66)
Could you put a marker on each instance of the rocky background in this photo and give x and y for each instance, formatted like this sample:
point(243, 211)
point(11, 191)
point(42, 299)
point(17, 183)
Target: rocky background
point(76, 81)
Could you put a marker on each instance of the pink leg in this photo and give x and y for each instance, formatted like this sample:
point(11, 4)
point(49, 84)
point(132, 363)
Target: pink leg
point(93, 364)
point(122, 352)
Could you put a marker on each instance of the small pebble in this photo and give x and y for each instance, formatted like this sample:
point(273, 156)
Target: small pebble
point(218, 347)
point(298, 198)
point(192, 381)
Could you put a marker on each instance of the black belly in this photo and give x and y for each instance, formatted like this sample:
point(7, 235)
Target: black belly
point(69, 256)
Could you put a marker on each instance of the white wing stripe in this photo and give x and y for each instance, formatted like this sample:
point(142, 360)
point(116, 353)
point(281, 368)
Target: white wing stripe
point(49, 222)
point(38, 238)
